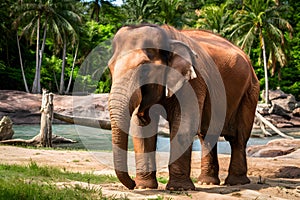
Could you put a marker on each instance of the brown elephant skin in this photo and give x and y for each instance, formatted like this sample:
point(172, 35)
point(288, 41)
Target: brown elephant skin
point(200, 82)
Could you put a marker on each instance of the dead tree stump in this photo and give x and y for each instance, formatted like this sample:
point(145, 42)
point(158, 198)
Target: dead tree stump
point(46, 119)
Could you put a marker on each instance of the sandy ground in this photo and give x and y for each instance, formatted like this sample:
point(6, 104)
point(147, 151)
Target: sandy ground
point(271, 178)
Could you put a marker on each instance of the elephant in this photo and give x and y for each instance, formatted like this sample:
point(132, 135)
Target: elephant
point(200, 82)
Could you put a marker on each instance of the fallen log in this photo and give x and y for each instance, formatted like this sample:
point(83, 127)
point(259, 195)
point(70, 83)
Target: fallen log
point(84, 121)
point(270, 125)
point(35, 141)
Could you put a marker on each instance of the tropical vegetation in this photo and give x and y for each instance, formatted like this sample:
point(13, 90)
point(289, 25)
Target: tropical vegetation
point(65, 44)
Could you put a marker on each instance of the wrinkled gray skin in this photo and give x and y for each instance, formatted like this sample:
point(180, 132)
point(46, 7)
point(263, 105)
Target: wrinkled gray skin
point(187, 110)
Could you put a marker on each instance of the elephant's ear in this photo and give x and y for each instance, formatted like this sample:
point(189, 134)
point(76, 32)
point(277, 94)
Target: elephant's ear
point(181, 60)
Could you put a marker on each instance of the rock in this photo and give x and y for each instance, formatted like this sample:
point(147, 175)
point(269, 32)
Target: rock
point(296, 112)
point(270, 151)
point(288, 172)
point(24, 108)
point(285, 101)
point(6, 130)
point(288, 104)
point(274, 148)
point(275, 94)
point(278, 110)
point(285, 143)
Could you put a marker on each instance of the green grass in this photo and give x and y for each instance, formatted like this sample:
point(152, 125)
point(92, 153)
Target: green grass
point(37, 182)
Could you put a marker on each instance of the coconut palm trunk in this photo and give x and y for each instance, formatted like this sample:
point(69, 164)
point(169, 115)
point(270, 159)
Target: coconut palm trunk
point(72, 70)
point(62, 75)
point(43, 46)
point(21, 64)
point(265, 67)
point(36, 87)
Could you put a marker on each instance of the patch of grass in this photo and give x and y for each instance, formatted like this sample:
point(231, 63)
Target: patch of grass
point(51, 174)
point(38, 182)
point(163, 180)
point(20, 189)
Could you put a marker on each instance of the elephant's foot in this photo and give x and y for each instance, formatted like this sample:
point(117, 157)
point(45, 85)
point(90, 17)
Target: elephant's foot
point(208, 180)
point(146, 184)
point(237, 180)
point(180, 184)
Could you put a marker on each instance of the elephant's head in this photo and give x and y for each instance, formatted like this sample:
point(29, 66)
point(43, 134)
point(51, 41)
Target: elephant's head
point(140, 79)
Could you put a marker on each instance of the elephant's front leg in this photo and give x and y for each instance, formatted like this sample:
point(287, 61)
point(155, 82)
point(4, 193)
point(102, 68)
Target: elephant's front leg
point(145, 162)
point(180, 160)
point(209, 163)
point(144, 141)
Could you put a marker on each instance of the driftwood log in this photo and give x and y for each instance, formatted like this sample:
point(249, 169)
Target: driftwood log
point(84, 121)
point(45, 137)
point(264, 122)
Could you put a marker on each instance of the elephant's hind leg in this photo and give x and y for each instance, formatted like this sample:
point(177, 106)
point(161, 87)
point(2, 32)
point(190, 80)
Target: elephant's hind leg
point(238, 163)
point(209, 164)
point(237, 174)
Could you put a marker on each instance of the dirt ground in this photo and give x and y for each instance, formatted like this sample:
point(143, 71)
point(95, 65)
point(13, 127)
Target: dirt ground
point(271, 178)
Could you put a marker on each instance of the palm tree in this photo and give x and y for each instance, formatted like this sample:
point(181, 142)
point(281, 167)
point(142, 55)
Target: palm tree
point(141, 10)
point(65, 22)
point(215, 18)
point(72, 69)
point(95, 6)
point(171, 12)
point(58, 15)
point(262, 19)
point(21, 64)
point(31, 12)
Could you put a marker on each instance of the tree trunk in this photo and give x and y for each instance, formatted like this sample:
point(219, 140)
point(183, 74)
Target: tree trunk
point(265, 68)
point(21, 64)
point(73, 65)
point(41, 51)
point(55, 80)
point(36, 83)
point(62, 76)
point(46, 119)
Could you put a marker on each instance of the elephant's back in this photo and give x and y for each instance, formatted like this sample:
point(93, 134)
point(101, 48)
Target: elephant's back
point(212, 42)
point(234, 66)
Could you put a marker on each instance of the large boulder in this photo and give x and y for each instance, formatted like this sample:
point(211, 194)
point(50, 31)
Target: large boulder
point(274, 148)
point(284, 111)
point(6, 130)
point(288, 103)
point(283, 102)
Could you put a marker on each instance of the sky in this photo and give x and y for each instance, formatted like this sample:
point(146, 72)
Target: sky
point(118, 2)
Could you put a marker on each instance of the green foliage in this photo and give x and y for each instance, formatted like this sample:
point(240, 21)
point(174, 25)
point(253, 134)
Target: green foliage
point(215, 18)
point(95, 22)
point(36, 182)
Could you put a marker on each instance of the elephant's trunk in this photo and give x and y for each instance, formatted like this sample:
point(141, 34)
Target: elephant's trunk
point(120, 122)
